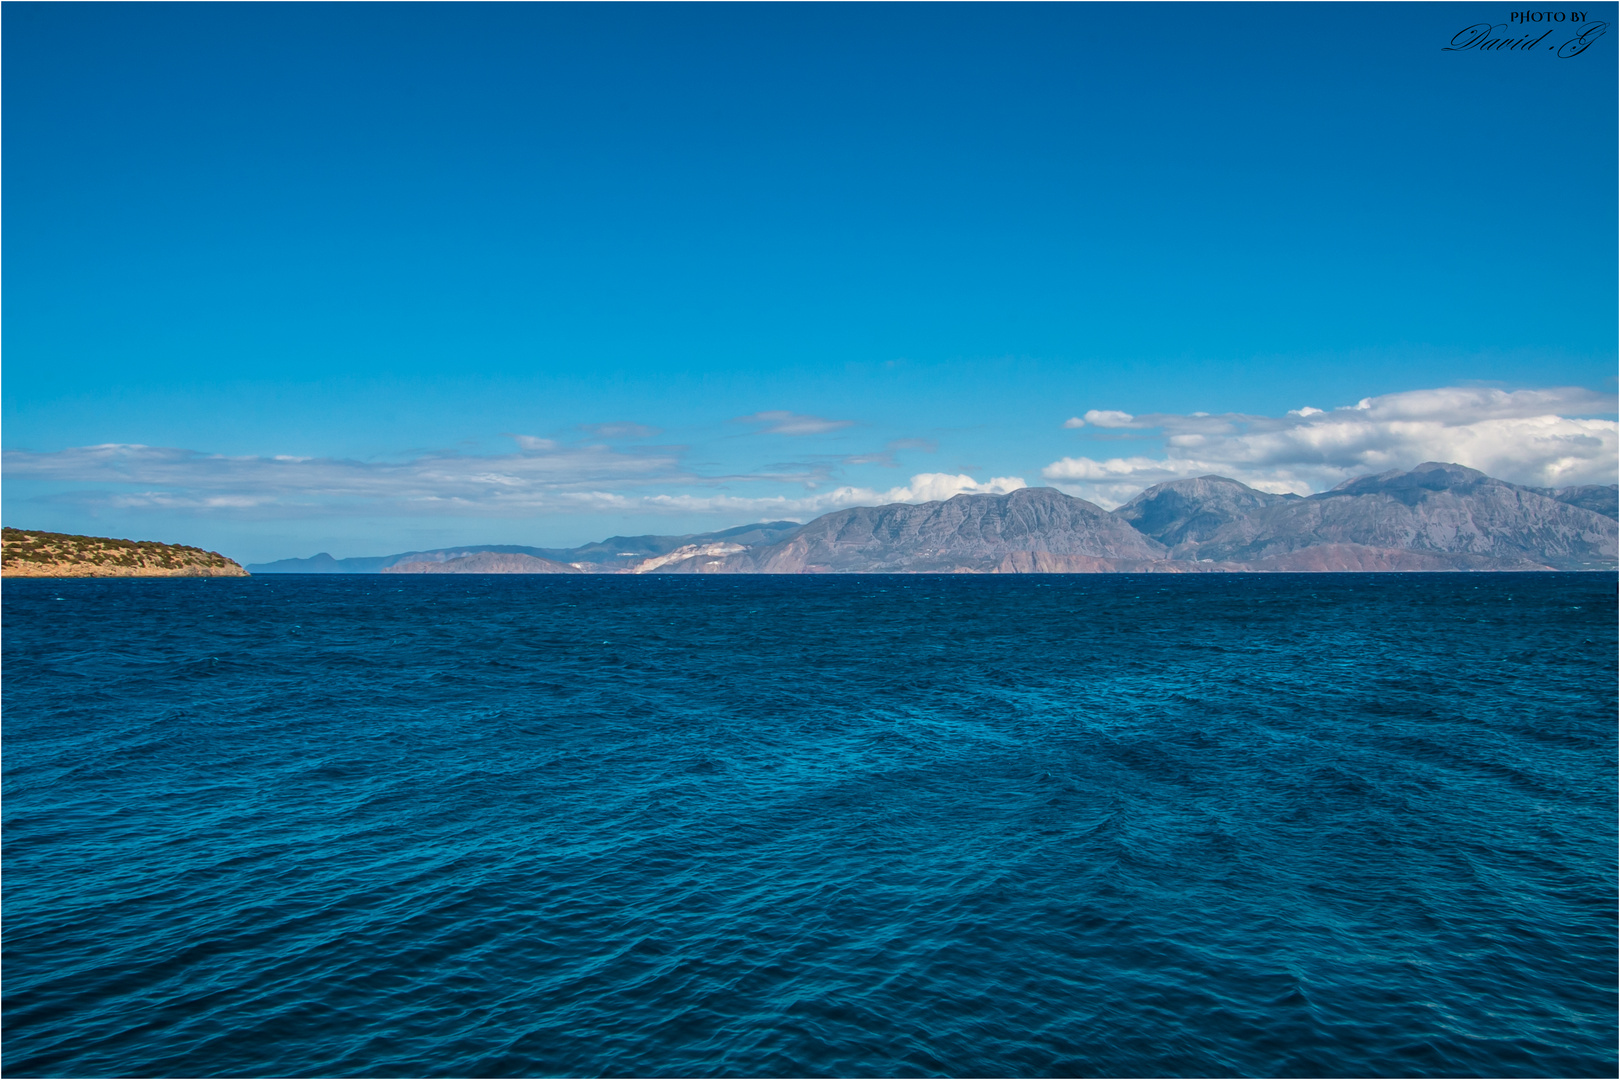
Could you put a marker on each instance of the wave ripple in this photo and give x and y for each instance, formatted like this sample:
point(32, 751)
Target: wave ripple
point(668, 826)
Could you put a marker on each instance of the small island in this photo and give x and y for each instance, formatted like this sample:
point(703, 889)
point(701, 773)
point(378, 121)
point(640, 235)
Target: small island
point(29, 553)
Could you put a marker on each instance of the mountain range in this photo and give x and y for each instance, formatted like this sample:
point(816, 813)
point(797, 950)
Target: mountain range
point(1435, 517)
point(614, 554)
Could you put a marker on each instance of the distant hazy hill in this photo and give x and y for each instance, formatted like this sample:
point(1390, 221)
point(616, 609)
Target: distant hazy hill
point(1435, 517)
point(484, 562)
point(614, 553)
point(27, 553)
point(625, 551)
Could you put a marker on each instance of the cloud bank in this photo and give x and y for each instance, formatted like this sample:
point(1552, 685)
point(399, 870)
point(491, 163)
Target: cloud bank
point(543, 476)
point(542, 473)
point(924, 487)
point(1535, 437)
point(1545, 438)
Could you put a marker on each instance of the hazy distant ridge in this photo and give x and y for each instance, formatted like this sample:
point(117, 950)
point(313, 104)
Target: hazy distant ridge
point(616, 552)
point(1434, 517)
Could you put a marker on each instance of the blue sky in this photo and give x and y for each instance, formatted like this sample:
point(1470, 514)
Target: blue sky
point(363, 278)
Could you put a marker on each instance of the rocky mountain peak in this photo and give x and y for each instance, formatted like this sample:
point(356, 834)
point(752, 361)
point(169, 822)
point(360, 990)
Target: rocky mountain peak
point(1193, 509)
point(1429, 476)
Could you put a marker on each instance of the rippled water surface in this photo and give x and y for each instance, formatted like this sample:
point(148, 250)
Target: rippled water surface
point(1092, 825)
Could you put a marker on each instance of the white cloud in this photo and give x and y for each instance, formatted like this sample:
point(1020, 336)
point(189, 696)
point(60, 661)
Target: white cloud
point(1109, 418)
point(780, 422)
point(1074, 422)
point(530, 442)
point(1084, 468)
point(1543, 438)
point(924, 487)
point(929, 487)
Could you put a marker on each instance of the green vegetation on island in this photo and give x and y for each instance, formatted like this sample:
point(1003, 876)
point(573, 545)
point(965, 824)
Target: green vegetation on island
point(30, 553)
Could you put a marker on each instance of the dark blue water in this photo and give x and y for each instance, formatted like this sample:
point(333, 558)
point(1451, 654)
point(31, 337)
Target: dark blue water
point(1098, 825)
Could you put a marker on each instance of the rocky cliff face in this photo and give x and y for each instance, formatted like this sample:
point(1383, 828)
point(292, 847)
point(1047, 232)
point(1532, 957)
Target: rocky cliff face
point(691, 559)
point(965, 534)
point(1593, 497)
point(25, 553)
point(1460, 518)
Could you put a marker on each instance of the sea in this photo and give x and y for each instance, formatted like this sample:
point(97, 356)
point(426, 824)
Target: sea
point(867, 825)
